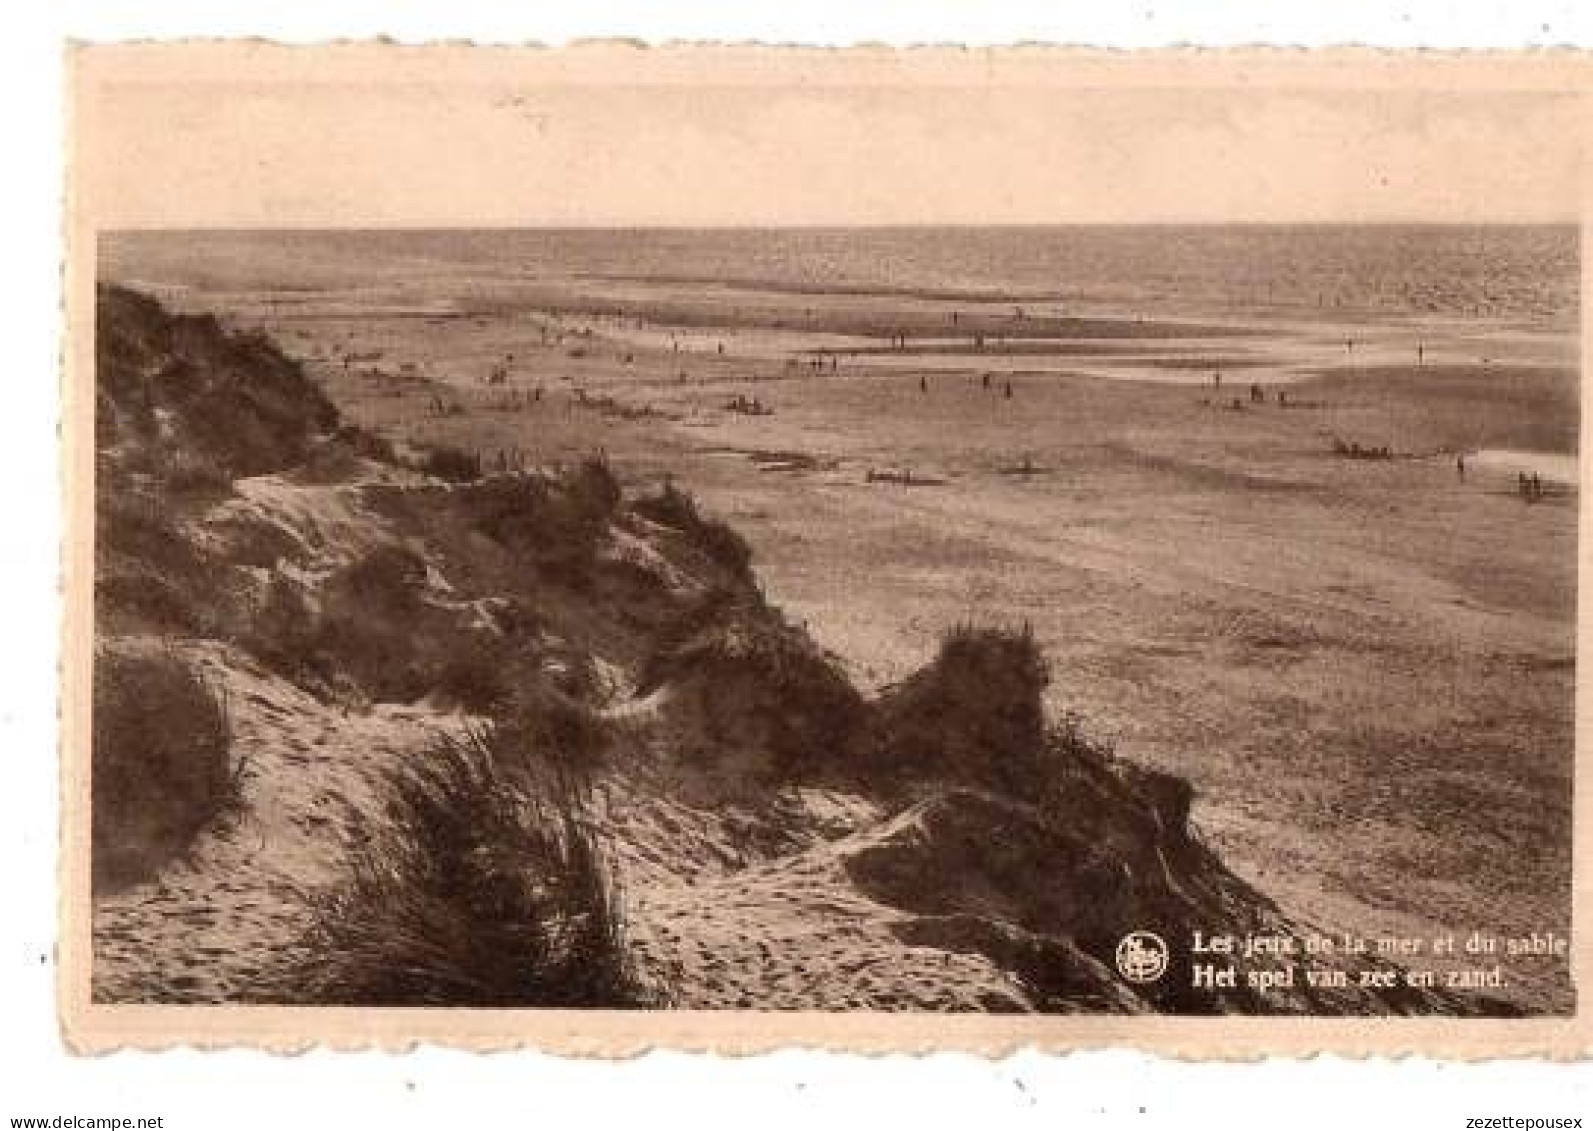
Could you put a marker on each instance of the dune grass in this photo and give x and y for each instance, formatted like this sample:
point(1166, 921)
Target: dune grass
point(485, 888)
point(748, 663)
point(162, 765)
point(677, 509)
point(974, 714)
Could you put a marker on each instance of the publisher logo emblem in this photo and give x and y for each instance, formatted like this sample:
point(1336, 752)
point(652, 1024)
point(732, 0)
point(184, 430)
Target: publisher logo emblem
point(1142, 956)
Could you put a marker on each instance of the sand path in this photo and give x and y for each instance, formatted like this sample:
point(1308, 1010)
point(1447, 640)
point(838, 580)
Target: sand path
point(794, 933)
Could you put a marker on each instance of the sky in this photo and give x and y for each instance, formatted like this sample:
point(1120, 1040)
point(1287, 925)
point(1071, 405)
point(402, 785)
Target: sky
point(457, 148)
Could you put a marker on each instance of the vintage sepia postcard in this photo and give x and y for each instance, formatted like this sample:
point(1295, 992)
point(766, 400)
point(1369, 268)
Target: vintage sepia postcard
point(729, 548)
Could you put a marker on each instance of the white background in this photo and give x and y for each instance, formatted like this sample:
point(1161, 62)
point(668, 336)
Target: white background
point(444, 1089)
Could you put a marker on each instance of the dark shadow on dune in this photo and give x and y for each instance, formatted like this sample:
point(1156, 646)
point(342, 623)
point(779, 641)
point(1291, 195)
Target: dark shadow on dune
point(163, 766)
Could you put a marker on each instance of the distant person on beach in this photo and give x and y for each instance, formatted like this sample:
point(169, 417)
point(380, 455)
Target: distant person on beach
point(1420, 352)
point(1009, 390)
point(986, 378)
point(923, 383)
point(1537, 486)
point(1460, 466)
point(1216, 379)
